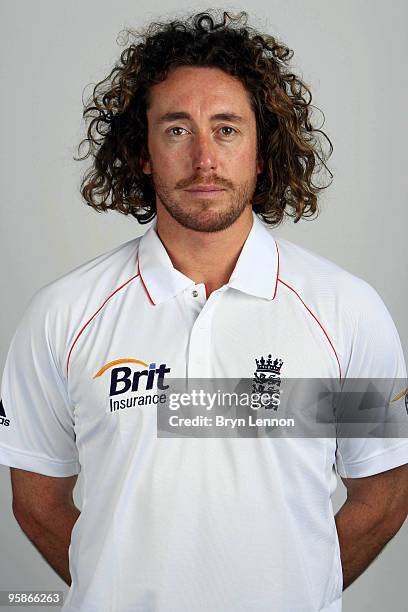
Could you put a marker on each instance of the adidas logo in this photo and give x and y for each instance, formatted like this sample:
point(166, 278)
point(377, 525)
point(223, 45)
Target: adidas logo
point(3, 417)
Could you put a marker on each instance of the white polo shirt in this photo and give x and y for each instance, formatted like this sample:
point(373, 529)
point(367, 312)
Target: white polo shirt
point(187, 524)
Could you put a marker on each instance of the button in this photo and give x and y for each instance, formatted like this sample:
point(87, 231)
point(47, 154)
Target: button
point(194, 293)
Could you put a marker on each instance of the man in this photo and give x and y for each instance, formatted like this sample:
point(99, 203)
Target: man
point(205, 127)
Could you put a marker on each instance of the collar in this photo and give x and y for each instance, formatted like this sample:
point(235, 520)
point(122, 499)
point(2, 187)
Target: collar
point(256, 271)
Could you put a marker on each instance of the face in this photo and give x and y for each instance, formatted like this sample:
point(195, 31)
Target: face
point(201, 148)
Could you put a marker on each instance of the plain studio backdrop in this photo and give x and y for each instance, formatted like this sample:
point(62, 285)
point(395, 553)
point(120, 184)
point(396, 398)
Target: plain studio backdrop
point(351, 53)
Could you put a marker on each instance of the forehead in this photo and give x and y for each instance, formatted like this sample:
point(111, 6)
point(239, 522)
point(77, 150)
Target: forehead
point(189, 86)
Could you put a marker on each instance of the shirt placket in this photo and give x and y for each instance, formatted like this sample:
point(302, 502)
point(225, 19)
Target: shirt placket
point(199, 361)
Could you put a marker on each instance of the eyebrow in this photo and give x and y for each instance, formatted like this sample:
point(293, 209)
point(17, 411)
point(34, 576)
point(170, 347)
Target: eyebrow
point(172, 116)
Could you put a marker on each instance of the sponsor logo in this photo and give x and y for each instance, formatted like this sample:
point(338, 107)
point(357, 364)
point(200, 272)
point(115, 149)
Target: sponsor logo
point(3, 417)
point(131, 378)
point(267, 380)
point(403, 394)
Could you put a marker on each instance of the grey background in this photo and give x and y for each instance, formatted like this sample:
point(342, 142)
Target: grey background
point(352, 54)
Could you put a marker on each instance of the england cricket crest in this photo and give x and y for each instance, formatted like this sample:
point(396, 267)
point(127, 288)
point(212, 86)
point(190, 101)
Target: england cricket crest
point(267, 378)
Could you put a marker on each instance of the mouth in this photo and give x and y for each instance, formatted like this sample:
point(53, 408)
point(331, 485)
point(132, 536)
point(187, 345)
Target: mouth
point(205, 191)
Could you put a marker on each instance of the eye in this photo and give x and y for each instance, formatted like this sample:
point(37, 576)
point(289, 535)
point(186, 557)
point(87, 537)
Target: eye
point(227, 127)
point(170, 131)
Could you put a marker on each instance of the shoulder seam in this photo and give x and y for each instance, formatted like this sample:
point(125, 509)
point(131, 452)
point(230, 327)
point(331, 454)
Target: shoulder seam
point(317, 321)
point(94, 315)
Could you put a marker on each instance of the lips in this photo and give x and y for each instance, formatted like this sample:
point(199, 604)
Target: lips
point(205, 188)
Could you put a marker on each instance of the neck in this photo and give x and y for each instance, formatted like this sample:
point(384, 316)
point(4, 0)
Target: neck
point(205, 257)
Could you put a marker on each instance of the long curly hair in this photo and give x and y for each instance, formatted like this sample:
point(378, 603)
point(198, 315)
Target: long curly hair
point(287, 142)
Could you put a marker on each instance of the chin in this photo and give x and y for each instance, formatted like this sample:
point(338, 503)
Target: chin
point(209, 220)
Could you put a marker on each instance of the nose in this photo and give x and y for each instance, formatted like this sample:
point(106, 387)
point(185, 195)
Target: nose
point(203, 153)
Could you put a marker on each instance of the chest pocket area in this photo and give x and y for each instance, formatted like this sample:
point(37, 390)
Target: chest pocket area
point(137, 421)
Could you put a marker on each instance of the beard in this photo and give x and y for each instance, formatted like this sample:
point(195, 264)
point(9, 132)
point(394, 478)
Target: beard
point(202, 214)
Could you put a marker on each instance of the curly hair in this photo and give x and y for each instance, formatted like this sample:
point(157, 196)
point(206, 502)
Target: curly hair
point(116, 116)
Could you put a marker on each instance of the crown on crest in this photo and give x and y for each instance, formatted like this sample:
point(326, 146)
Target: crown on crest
point(269, 365)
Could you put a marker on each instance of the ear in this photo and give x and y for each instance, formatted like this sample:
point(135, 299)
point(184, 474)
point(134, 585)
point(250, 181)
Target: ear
point(146, 167)
point(259, 166)
point(144, 161)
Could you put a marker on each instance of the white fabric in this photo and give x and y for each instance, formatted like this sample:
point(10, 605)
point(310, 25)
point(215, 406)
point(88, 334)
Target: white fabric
point(187, 524)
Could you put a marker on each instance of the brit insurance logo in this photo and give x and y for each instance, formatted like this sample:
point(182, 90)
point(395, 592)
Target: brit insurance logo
point(267, 380)
point(3, 417)
point(134, 382)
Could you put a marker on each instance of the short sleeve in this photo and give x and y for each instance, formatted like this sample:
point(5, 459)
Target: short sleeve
point(375, 355)
point(36, 419)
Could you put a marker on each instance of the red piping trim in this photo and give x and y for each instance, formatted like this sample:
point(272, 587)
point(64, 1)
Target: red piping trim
point(143, 283)
point(317, 320)
point(277, 274)
point(95, 313)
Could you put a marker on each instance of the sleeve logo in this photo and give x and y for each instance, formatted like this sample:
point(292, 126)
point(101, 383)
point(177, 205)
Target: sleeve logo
point(3, 417)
